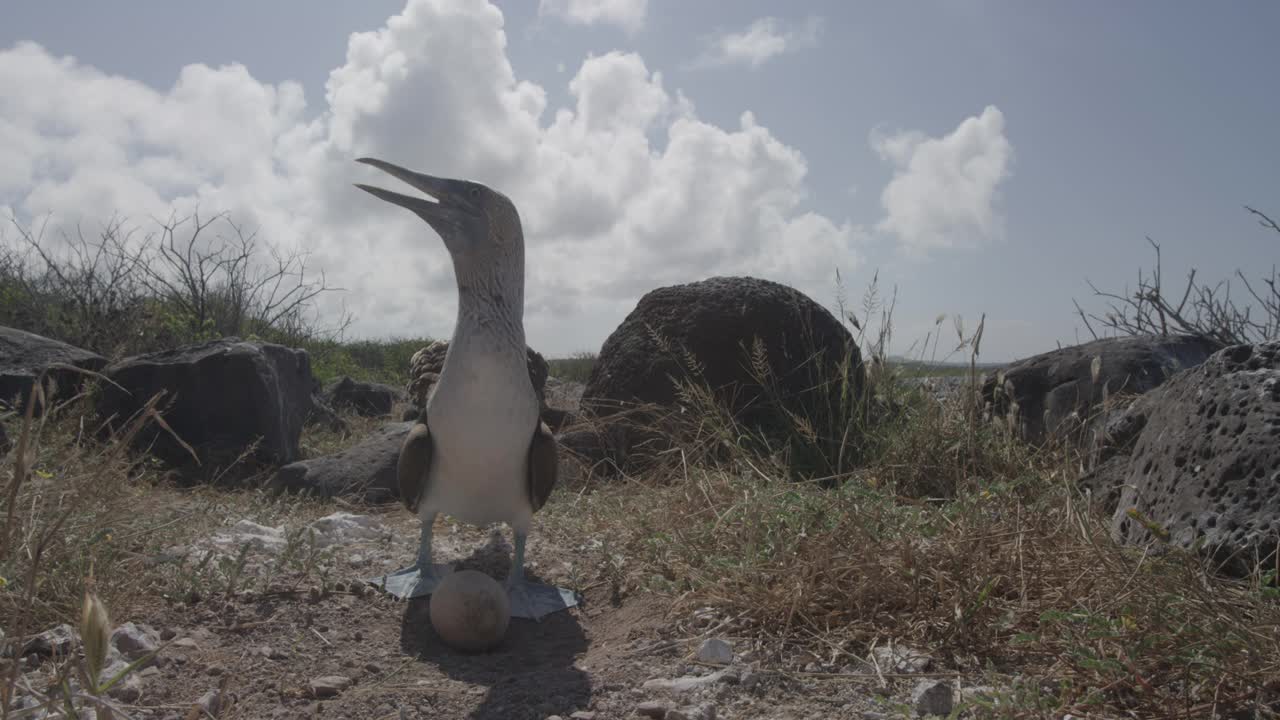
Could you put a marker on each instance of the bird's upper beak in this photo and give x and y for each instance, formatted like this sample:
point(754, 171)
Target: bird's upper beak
point(449, 208)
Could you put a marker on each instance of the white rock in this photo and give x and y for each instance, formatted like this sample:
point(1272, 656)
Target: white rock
point(344, 526)
point(684, 684)
point(901, 659)
point(258, 537)
point(715, 651)
point(698, 712)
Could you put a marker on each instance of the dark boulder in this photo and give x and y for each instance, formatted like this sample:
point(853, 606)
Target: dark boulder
point(366, 471)
point(706, 332)
point(1200, 458)
point(24, 356)
point(368, 399)
point(1059, 395)
point(220, 397)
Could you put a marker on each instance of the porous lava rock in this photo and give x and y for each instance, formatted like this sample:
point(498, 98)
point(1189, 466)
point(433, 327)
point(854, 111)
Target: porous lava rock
point(365, 471)
point(426, 364)
point(220, 397)
point(24, 356)
point(1057, 395)
point(1200, 458)
point(706, 331)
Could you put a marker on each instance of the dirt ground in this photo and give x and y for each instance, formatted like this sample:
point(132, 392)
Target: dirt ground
point(265, 651)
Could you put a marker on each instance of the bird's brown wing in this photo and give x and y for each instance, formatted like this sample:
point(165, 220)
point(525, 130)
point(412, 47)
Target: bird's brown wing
point(544, 466)
point(412, 464)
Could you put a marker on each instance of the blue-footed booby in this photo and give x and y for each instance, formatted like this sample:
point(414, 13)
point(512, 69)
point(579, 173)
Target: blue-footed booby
point(480, 452)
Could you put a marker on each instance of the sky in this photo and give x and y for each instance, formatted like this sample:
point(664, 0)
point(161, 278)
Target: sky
point(981, 157)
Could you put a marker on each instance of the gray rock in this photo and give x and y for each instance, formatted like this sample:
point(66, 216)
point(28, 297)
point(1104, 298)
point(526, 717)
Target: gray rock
point(329, 686)
point(933, 697)
point(652, 709)
point(1200, 458)
point(715, 651)
point(135, 641)
point(368, 399)
point(215, 702)
point(366, 471)
point(220, 397)
point(717, 321)
point(1058, 394)
point(24, 356)
point(583, 715)
point(58, 640)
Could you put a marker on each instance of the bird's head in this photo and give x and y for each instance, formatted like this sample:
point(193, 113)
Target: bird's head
point(475, 221)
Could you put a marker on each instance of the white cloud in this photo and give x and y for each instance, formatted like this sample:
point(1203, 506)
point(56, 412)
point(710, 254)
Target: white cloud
point(944, 192)
point(763, 40)
point(623, 190)
point(626, 14)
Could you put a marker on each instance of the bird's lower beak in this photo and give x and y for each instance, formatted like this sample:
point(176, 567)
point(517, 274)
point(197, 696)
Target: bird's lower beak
point(448, 207)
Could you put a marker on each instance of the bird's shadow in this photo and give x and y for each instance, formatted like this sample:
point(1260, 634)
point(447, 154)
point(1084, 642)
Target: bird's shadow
point(531, 674)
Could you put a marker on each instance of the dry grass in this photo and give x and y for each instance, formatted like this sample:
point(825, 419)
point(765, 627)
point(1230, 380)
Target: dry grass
point(942, 532)
point(81, 511)
point(954, 537)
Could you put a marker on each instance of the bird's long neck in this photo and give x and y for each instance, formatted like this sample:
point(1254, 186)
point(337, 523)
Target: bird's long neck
point(491, 302)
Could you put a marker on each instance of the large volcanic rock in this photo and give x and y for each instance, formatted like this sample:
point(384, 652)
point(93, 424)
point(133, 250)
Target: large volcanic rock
point(24, 355)
point(1055, 395)
point(1200, 457)
point(220, 397)
point(366, 471)
point(714, 323)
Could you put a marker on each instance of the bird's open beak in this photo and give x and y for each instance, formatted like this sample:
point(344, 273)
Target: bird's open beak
point(449, 207)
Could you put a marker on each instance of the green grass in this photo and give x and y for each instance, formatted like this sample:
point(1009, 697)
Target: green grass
point(575, 368)
point(384, 361)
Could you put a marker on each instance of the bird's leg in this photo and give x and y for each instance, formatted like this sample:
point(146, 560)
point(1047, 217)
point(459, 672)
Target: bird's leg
point(420, 578)
point(517, 587)
point(427, 577)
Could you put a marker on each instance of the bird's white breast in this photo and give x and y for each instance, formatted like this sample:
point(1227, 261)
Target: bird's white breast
point(482, 414)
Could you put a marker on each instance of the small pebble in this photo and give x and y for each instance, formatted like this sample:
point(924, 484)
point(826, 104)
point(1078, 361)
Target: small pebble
point(329, 686)
point(583, 715)
point(212, 703)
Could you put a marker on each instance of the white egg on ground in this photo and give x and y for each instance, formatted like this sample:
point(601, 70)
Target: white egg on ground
point(470, 611)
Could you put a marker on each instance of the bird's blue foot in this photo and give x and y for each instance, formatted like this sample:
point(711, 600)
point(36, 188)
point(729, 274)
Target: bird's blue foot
point(411, 582)
point(534, 600)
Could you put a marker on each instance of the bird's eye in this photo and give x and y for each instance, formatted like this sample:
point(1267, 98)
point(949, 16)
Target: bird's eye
point(475, 192)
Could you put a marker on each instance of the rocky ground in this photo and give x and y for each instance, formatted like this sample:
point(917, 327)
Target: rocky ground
point(340, 649)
